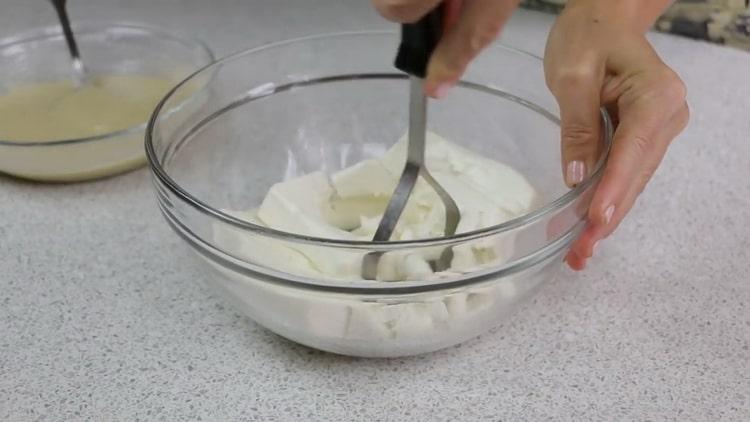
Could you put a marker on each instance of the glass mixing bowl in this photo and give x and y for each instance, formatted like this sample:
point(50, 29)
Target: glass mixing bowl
point(323, 103)
point(107, 49)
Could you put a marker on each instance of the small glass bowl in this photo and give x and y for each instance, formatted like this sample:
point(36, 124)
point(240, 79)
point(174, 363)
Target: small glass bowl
point(325, 103)
point(106, 48)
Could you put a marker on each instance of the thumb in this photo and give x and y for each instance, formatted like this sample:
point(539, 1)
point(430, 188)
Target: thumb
point(470, 27)
point(578, 94)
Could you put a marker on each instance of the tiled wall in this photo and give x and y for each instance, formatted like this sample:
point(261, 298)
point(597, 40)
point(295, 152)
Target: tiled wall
point(721, 21)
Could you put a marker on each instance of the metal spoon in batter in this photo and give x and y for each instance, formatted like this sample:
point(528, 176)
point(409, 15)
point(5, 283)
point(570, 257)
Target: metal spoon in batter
point(79, 71)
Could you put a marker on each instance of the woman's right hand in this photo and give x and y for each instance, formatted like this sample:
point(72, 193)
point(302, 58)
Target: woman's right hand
point(469, 27)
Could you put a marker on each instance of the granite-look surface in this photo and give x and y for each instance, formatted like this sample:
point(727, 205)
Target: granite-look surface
point(103, 317)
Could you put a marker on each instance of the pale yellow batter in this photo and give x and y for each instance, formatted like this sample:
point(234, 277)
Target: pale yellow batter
point(60, 110)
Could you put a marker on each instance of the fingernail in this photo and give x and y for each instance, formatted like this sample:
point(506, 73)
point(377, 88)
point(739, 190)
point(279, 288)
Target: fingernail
point(608, 213)
point(442, 90)
point(595, 247)
point(575, 172)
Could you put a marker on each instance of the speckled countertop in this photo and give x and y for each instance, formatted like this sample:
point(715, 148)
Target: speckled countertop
point(102, 317)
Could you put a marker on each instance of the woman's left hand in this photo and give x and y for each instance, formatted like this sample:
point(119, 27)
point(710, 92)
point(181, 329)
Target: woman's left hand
point(597, 55)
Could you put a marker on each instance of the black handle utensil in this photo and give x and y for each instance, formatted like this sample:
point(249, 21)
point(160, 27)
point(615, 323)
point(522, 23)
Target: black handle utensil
point(79, 70)
point(418, 41)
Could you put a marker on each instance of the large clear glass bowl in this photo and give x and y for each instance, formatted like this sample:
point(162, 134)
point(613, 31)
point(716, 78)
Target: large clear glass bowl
point(41, 55)
point(323, 103)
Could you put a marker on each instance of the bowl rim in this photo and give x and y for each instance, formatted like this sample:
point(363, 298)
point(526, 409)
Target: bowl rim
point(367, 288)
point(46, 33)
point(557, 204)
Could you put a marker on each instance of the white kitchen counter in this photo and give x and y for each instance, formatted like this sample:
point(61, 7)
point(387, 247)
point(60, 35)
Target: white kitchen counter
point(103, 317)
